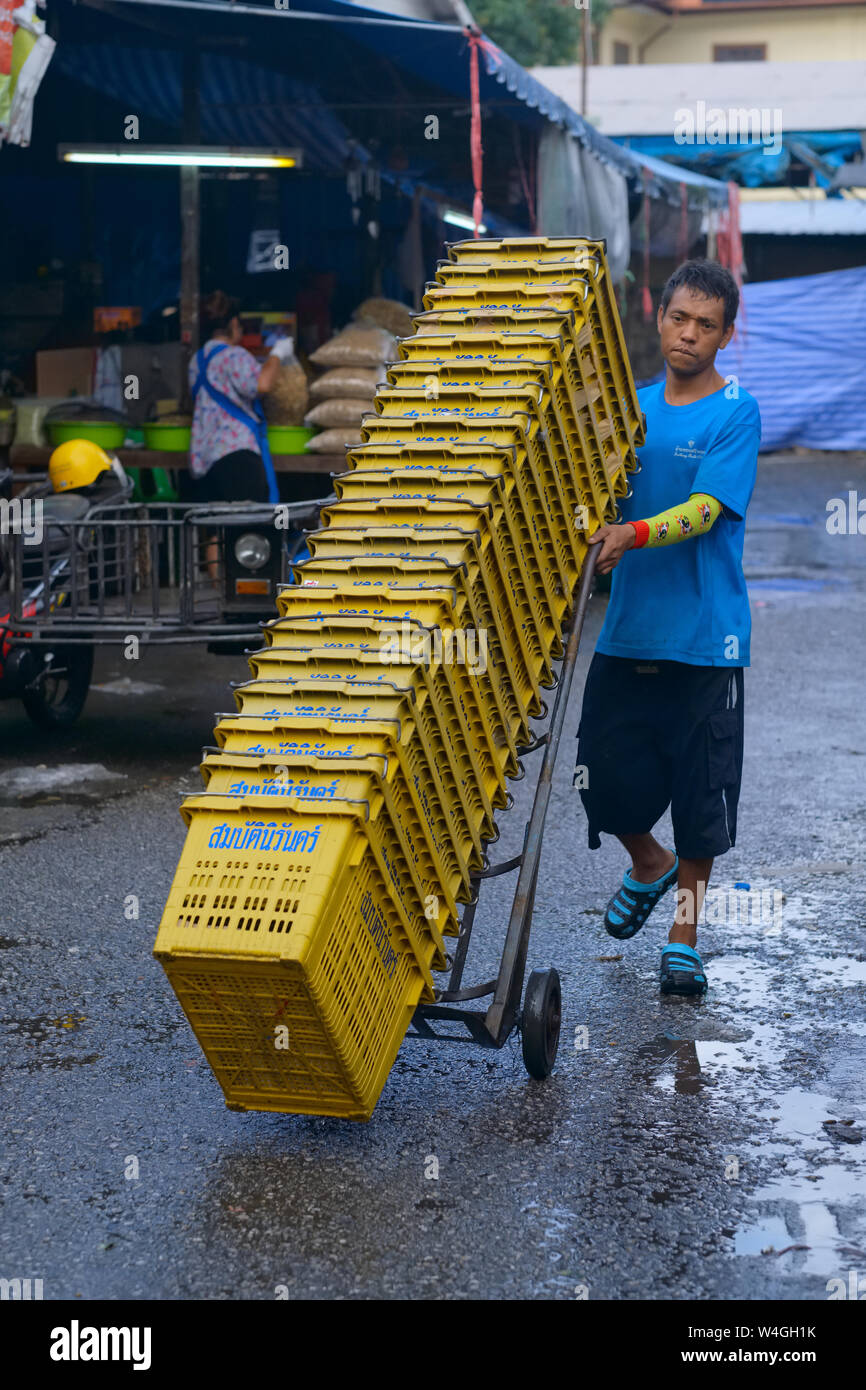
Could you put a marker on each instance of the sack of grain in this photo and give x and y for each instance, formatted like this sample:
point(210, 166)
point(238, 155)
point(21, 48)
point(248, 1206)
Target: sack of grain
point(358, 382)
point(359, 345)
point(334, 441)
point(339, 411)
point(387, 313)
point(286, 402)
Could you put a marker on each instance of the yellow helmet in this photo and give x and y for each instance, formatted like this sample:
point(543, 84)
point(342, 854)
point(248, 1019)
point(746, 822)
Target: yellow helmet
point(77, 463)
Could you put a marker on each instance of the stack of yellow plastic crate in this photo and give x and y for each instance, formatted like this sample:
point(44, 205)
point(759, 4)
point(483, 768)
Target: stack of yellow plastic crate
point(347, 803)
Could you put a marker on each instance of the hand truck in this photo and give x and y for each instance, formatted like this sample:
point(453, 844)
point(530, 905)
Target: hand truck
point(540, 1018)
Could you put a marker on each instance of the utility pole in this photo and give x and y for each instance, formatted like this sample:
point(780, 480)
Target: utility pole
point(189, 212)
point(585, 47)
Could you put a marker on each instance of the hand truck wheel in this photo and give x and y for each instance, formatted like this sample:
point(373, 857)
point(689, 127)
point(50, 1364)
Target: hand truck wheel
point(542, 1017)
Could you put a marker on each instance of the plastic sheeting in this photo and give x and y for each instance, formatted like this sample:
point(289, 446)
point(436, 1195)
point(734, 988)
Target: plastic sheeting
point(801, 351)
point(671, 232)
point(749, 162)
point(579, 195)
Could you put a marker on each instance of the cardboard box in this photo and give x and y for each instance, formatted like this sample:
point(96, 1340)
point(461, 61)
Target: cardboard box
point(65, 372)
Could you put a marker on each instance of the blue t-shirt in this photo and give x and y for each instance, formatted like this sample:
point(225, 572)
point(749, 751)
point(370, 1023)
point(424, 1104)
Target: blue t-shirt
point(688, 601)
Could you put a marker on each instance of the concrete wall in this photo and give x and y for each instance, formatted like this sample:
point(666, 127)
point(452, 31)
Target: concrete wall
point(643, 100)
point(825, 33)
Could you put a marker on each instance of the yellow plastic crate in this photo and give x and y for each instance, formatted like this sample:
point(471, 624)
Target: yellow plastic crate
point(488, 404)
point(607, 424)
point(415, 550)
point(374, 779)
point(493, 337)
point(488, 465)
point(493, 553)
point(363, 574)
point(564, 267)
point(466, 825)
point(435, 701)
point(404, 645)
point(612, 423)
point(516, 249)
point(348, 702)
point(290, 927)
point(578, 277)
point(406, 641)
point(512, 434)
point(482, 353)
point(446, 609)
point(578, 360)
point(400, 873)
point(350, 736)
point(469, 324)
point(493, 491)
point(595, 259)
point(575, 470)
point(584, 254)
point(520, 303)
point(493, 419)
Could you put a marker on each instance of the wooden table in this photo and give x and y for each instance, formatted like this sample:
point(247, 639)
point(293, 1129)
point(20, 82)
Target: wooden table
point(34, 458)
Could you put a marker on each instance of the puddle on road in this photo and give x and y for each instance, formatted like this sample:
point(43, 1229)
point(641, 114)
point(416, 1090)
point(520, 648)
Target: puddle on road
point(815, 1245)
point(734, 1056)
point(125, 685)
point(764, 1016)
point(845, 970)
point(67, 782)
point(772, 1234)
point(800, 1113)
point(683, 1076)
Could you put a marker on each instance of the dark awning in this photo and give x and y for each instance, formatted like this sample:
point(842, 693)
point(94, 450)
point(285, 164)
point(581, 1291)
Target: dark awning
point(437, 54)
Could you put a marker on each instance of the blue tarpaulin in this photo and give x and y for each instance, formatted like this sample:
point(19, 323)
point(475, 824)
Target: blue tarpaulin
point(750, 162)
point(801, 351)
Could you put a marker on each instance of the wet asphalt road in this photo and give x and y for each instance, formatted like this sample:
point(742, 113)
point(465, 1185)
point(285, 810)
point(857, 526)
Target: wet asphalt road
point(679, 1151)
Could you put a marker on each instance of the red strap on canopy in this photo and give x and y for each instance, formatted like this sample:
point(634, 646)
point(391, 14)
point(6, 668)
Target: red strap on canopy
point(476, 148)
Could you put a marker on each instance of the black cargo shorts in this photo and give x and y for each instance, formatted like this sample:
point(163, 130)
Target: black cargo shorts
point(659, 734)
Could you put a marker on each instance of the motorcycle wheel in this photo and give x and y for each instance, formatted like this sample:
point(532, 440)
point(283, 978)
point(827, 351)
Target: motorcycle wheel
point(58, 698)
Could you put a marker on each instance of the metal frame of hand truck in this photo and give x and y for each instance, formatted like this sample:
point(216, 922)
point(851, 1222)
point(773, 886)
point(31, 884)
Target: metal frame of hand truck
point(539, 1019)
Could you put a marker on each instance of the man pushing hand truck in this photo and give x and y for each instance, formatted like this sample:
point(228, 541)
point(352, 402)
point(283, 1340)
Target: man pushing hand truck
point(662, 718)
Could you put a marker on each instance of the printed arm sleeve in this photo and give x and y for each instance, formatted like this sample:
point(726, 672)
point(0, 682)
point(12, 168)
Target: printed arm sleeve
point(680, 523)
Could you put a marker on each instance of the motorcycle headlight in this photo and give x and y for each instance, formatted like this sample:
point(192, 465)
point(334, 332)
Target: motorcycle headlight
point(252, 550)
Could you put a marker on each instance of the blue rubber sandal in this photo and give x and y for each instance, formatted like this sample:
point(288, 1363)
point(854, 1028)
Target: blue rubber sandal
point(682, 970)
point(632, 904)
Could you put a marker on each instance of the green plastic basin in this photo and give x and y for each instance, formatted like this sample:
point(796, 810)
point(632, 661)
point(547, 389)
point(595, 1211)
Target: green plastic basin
point(175, 439)
point(101, 432)
point(288, 439)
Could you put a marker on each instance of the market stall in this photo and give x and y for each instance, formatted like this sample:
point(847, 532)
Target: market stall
point(306, 161)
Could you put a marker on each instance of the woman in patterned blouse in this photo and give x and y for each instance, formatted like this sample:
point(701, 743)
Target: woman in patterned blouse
point(225, 456)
